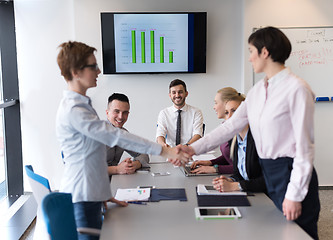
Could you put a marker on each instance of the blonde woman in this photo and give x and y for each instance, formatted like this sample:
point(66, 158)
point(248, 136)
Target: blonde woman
point(247, 174)
point(222, 164)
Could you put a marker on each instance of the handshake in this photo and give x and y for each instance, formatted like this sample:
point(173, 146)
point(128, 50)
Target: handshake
point(178, 155)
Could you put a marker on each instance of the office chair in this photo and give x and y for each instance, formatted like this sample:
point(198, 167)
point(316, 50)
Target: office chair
point(58, 213)
point(40, 188)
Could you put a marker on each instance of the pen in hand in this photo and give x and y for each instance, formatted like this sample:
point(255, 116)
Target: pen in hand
point(136, 202)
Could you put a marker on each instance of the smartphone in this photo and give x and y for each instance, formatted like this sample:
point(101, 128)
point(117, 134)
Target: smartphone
point(154, 174)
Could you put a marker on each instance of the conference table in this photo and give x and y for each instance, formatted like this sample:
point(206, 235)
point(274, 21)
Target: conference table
point(172, 219)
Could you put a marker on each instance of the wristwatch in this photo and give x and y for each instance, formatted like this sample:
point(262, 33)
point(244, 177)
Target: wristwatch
point(216, 167)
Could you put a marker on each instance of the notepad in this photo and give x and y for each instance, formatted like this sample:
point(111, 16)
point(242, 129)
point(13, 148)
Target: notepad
point(226, 200)
point(159, 194)
point(133, 194)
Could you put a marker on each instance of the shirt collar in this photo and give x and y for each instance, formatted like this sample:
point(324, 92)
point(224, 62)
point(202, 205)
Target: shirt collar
point(277, 77)
point(240, 141)
point(76, 96)
point(184, 108)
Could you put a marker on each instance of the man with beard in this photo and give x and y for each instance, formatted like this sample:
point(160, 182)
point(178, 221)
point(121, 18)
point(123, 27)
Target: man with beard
point(180, 123)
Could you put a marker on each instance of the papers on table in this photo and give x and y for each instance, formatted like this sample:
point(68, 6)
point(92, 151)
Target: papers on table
point(201, 157)
point(133, 194)
point(209, 190)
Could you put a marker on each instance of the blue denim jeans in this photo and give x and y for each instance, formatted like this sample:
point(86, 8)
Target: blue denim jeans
point(88, 214)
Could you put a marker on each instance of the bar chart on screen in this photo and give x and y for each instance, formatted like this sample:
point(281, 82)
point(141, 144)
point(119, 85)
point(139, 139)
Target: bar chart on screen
point(152, 41)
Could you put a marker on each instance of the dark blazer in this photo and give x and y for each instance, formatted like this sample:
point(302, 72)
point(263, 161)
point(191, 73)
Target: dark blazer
point(256, 182)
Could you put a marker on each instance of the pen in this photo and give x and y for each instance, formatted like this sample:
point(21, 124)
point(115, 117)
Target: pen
point(136, 202)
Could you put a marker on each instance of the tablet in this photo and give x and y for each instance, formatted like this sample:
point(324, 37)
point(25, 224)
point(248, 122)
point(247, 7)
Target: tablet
point(217, 213)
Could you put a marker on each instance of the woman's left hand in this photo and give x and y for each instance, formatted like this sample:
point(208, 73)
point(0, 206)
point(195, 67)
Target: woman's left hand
point(291, 209)
point(224, 184)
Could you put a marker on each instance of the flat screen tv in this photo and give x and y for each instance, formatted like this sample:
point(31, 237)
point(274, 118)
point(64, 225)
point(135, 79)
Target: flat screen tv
point(154, 42)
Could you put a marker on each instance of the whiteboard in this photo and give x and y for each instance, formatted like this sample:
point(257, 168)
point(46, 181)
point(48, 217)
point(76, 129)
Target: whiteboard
point(311, 58)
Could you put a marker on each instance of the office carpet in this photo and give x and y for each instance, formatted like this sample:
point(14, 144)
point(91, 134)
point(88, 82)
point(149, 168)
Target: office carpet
point(325, 223)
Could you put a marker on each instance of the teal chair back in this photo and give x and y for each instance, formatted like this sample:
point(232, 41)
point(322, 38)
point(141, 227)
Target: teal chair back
point(40, 188)
point(58, 213)
point(40, 185)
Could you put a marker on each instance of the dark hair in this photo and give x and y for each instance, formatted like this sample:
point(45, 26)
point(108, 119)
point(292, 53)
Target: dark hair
point(118, 96)
point(275, 41)
point(177, 82)
point(72, 57)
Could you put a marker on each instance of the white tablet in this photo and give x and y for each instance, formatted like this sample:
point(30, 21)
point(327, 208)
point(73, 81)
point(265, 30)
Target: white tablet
point(217, 213)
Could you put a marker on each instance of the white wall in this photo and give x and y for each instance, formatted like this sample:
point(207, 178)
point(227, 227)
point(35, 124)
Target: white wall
point(43, 24)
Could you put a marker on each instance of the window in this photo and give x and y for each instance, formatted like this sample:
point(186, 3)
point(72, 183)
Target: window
point(11, 168)
point(3, 188)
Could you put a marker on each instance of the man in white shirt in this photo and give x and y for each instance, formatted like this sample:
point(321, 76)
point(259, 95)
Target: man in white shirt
point(117, 114)
point(180, 123)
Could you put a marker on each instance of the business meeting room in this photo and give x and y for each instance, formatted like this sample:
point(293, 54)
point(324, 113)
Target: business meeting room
point(154, 119)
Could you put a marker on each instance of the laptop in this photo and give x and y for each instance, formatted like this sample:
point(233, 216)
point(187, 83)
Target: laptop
point(187, 172)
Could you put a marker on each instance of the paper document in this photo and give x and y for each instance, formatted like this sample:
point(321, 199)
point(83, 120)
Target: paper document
point(209, 190)
point(133, 194)
point(203, 157)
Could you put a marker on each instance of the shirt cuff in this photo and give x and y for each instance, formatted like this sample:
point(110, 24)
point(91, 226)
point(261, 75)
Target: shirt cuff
point(156, 149)
point(295, 194)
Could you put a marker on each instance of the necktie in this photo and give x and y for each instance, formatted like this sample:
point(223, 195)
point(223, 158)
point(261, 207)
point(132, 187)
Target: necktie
point(179, 121)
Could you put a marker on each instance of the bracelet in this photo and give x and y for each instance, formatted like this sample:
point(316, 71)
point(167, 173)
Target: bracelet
point(216, 167)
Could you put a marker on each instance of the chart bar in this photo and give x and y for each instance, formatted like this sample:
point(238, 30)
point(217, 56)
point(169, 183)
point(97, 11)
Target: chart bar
point(161, 49)
point(143, 48)
point(152, 47)
point(170, 57)
point(133, 47)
